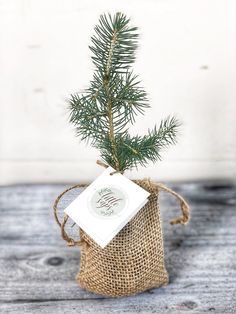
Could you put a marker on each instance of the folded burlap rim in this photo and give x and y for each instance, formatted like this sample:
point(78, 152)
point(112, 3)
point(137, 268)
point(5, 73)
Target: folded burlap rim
point(154, 186)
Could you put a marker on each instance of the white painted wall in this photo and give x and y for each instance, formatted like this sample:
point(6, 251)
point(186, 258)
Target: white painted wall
point(186, 59)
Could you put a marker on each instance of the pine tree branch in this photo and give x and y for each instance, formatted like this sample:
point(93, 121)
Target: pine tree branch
point(102, 114)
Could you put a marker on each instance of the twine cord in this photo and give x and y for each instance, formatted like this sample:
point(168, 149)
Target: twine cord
point(70, 241)
point(102, 164)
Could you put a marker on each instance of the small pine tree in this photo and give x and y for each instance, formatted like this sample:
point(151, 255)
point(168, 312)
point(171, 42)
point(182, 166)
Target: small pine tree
point(102, 114)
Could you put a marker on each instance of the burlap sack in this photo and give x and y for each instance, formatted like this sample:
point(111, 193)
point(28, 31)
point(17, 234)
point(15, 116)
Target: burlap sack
point(134, 260)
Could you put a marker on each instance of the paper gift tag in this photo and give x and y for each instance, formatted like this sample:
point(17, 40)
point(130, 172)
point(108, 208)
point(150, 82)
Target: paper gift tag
point(106, 206)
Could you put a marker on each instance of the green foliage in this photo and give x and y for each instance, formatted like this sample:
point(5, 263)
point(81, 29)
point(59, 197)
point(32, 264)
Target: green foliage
point(103, 113)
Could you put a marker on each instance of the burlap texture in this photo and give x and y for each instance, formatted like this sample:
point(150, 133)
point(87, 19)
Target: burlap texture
point(134, 260)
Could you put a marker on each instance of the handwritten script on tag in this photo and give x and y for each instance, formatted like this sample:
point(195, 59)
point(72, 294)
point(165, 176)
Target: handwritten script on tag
point(108, 201)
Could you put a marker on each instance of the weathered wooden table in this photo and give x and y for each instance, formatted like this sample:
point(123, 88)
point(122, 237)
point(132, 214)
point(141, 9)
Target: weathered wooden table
point(37, 270)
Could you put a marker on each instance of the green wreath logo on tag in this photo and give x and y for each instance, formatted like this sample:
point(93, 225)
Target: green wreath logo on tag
point(108, 201)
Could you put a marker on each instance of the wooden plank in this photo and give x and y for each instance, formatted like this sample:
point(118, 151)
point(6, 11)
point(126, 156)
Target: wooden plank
point(37, 270)
point(145, 303)
point(27, 213)
point(80, 170)
point(55, 269)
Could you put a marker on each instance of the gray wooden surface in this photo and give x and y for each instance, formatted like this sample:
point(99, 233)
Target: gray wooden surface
point(37, 270)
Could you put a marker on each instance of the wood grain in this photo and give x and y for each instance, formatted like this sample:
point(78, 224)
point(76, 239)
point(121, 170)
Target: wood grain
point(37, 270)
